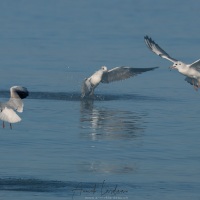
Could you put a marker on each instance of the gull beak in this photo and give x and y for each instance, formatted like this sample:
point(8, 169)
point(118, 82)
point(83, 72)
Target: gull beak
point(171, 67)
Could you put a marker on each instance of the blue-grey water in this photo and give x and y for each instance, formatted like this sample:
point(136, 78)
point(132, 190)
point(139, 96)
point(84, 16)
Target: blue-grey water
point(139, 139)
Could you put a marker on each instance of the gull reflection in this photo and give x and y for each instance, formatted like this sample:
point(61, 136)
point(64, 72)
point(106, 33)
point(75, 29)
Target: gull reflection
point(107, 167)
point(105, 123)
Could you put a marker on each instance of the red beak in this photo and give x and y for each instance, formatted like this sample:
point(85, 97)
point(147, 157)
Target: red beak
point(172, 67)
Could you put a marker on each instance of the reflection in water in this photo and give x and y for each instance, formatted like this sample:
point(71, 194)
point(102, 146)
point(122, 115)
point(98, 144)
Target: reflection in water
point(106, 167)
point(104, 123)
point(109, 124)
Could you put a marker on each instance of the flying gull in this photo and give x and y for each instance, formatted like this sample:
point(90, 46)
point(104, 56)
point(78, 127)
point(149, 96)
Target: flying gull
point(7, 109)
point(106, 76)
point(191, 71)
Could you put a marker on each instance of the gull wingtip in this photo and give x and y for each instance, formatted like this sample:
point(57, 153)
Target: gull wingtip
point(146, 37)
point(152, 68)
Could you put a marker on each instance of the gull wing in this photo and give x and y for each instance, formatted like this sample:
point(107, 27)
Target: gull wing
point(155, 48)
point(195, 65)
point(86, 88)
point(9, 115)
point(121, 73)
point(17, 93)
point(192, 81)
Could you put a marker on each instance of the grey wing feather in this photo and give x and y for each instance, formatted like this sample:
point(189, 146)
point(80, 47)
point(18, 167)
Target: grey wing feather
point(17, 93)
point(192, 81)
point(157, 49)
point(196, 65)
point(86, 88)
point(16, 104)
point(121, 73)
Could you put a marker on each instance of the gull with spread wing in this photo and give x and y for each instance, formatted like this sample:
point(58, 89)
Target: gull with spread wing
point(7, 109)
point(191, 71)
point(106, 76)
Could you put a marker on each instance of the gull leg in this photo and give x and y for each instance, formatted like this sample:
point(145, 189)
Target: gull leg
point(92, 93)
point(10, 126)
point(195, 87)
point(92, 90)
point(82, 95)
point(3, 124)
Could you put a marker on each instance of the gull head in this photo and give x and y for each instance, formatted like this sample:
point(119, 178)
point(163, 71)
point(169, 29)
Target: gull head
point(104, 68)
point(178, 65)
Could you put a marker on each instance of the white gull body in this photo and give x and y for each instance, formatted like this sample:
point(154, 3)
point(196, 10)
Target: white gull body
point(106, 76)
point(191, 71)
point(15, 103)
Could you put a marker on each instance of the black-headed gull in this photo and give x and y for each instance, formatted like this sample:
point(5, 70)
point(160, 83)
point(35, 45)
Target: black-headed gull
point(106, 76)
point(191, 71)
point(7, 109)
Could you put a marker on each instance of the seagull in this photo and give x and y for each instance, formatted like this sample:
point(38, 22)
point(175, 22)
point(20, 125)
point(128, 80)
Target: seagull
point(106, 76)
point(191, 71)
point(7, 109)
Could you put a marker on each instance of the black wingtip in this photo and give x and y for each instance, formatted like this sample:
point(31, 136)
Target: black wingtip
point(148, 39)
point(21, 91)
point(23, 94)
point(152, 68)
point(155, 67)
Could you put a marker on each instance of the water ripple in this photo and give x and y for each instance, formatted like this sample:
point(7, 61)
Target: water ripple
point(75, 96)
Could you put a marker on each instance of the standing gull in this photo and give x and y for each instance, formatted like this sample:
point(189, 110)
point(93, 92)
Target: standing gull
point(7, 109)
point(106, 76)
point(191, 71)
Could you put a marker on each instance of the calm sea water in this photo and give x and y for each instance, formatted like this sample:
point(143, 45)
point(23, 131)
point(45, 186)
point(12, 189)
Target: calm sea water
point(139, 138)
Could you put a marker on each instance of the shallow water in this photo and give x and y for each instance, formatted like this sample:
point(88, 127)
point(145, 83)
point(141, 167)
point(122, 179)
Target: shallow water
point(137, 139)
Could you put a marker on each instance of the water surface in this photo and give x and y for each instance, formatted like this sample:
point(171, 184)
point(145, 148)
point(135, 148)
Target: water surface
point(137, 139)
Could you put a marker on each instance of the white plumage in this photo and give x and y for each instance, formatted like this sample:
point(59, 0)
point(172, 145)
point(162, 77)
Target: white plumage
point(15, 103)
point(191, 71)
point(9, 115)
point(106, 76)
